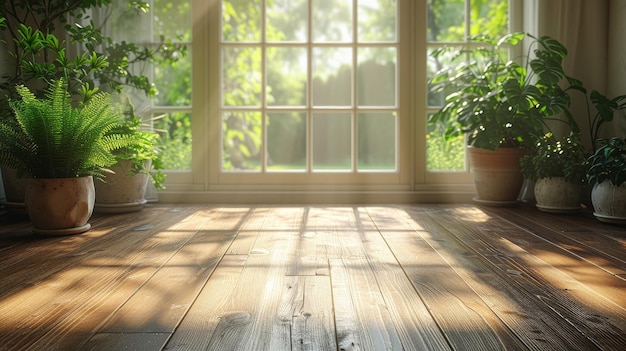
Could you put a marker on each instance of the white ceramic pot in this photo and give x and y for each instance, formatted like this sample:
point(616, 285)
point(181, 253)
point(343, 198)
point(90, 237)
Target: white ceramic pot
point(609, 202)
point(122, 191)
point(558, 195)
point(60, 206)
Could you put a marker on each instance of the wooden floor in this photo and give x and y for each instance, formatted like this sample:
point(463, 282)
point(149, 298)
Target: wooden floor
point(415, 277)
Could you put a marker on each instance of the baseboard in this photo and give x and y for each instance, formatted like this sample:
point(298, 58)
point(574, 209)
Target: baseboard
point(315, 197)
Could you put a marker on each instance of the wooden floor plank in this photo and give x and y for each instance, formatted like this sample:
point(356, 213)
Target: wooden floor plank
point(376, 308)
point(200, 323)
point(362, 320)
point(247, 232)
point(414, 321)
point(218, 302)
point(306, 306)
point(258, 293)
point(167, 248)
point(63, 252)
point(520, 274)
point(74, 280)
point(557, 266)
point(282, 278)
point(129, 341)
point(580, 240)
point(531, 331)
point(436, 281)
point(259, 290)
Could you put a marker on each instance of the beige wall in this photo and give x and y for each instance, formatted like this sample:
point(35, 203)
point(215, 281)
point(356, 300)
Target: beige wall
point(582, 27)
point(593, 32)
point(616, 77)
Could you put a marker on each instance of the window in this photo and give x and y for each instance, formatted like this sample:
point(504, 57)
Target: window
point(171, 110)
point(309, 86)
point(452, 23)
point(167, 28)
point(301, 95)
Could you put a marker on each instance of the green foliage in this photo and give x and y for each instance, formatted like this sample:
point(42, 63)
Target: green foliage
point(499, 102)
point(241, 75)
point(446, 19)
point(444, 153)
point(40, 56)
point(553, 157)
point(52, 139)
point(141, 148)
point(174, 140)
point(605, 109)
point(106, 62)
point(608, 163)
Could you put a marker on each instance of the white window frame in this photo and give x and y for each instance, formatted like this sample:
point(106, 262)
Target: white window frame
point(411, 183)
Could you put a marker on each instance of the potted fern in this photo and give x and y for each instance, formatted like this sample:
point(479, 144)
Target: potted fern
point(37, 35)
point(60, 148)
point(501, 105)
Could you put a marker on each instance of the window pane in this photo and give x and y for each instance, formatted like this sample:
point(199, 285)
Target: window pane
point(442, 154)
point(286, 76)
point(377, 141)
point(174, 82)
point(332, 20)
point(332, 142)
point(376, 80)
point(241, 20)
point(446, 20)
point(172, 19)
point(286, 141)
point(377, 20)
point(490, 17)
point(241, 76)
point(332, 77)
point(120, 21)
point(242, 135)
point(287, 20)
point(433, 66)
point(174, 130)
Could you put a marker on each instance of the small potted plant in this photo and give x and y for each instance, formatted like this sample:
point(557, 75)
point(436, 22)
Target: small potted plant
point(123, 189)
point(60, 148)
point(607, 174)
point(501, 105)
point(557, 166)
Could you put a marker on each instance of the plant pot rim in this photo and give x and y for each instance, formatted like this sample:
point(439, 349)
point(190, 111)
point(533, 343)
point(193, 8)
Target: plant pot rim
point(44, 178)
point(498, 149)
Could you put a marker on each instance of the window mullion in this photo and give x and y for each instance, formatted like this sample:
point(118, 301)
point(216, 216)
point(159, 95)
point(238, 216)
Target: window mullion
point(355, 41)
point(309, 98)
point(468, 11)
point(264, 149)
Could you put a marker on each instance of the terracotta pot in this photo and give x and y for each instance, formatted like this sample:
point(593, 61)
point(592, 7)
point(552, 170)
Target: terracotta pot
point(121, 192)
point(60, 206)
point(497, 174)
point(558, 195)
point(609, 202)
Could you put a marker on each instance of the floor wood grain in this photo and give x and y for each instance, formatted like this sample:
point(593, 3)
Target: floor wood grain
point(392, 277)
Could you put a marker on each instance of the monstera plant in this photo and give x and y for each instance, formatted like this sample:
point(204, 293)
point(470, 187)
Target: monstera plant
point(501, 105)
